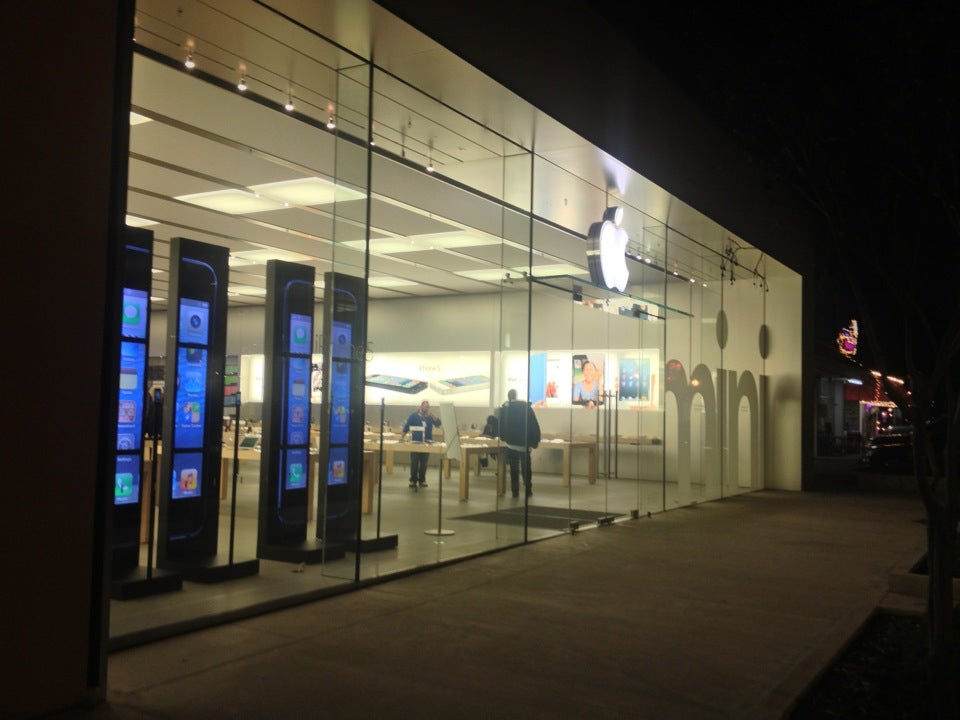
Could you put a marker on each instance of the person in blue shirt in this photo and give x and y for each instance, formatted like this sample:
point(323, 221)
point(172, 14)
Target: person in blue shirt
point(420, 425)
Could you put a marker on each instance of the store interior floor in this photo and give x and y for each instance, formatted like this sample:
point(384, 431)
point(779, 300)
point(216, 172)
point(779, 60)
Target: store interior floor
point(413, 516)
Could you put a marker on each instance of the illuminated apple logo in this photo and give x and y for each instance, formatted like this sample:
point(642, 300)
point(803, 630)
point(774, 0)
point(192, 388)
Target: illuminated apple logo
point(606, 251)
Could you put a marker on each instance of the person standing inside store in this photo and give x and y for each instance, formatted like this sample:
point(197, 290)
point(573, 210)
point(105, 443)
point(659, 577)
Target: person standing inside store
point(490, 430)
point(420, 425)
point(520, 432)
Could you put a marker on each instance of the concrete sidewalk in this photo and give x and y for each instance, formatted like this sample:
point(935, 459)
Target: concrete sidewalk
point(728, 609)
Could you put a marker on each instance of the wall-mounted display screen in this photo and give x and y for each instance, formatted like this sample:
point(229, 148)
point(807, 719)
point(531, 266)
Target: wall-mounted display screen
point(130, 410)
point(190, 398)
point(133, 314)
point(186, 481)
point(126, 489)
point(194, 321)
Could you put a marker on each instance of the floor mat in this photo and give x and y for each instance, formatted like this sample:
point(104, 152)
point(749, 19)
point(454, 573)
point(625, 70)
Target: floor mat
point(538, 516)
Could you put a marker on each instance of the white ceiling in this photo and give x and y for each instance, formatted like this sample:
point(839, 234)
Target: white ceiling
point(204, 135)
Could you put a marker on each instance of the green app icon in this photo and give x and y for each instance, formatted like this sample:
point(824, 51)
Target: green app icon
point(124, 485)
point(295, 474)
point(131, 313)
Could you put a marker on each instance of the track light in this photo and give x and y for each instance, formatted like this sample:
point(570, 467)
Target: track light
point(289, 106)
point(429, 165)
point(331, 122)
point(242, 85)
point(189, 64)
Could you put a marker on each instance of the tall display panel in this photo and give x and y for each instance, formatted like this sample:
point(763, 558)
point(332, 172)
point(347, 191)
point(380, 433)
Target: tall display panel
point(342, 408)
point(131, 482)
point(193, 415)
point(285, 467)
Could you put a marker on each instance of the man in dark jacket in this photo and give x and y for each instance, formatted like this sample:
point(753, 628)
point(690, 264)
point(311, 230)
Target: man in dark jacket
point(520, 432)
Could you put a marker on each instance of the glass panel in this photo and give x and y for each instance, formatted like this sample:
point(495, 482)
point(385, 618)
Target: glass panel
point(228, 165)
point(446, 259)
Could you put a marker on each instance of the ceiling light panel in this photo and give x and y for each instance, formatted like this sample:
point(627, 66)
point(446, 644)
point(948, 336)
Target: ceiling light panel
point(420, 243)
point(134, 221)
point(260, 257)
point(390, 282)
point(307, 191)
point(231, 201)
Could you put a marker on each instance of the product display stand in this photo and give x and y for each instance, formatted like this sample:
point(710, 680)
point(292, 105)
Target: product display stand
point(378, 542)
point(212, 572)
point(139, 582)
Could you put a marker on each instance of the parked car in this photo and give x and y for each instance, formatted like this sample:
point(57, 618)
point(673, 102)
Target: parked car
point(891, 451)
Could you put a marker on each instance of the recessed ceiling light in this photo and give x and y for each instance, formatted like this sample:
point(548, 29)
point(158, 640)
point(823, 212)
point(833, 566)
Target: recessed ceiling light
point(420, 243)
point(260, 257)
point(307, 191)
point(389, 282)
point(232, 201)
point(134, 221)
point(246, 290)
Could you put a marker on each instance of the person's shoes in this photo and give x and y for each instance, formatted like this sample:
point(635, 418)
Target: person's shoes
point(412, 484)
point(423, 484)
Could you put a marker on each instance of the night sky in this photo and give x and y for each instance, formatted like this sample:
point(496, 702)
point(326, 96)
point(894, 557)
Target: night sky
point(855, 106)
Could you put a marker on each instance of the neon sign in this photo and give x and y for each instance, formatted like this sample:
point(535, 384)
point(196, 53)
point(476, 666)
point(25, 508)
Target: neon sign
point(847, 340)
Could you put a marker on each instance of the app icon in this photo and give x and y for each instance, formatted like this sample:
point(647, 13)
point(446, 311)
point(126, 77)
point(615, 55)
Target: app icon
point(128, 378)
point(124, 485)
point(195, 321)
point(125, 441)
point(127, 411)
point(131, 313)
point(338, 469)
point(295, 474)
point(188, 479)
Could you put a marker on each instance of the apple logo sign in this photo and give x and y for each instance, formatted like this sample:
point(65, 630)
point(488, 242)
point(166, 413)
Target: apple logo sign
point(606, 251)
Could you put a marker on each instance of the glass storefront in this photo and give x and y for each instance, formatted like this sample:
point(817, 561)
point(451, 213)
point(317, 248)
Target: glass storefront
point(475, 240)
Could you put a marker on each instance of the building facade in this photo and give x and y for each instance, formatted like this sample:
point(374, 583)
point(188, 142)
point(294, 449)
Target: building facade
point(364, 144)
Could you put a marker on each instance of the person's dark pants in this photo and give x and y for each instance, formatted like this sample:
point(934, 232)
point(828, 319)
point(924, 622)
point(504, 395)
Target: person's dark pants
point(519, 460)
point(418, 467)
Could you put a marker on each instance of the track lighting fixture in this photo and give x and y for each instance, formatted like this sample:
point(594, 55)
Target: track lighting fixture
point(189, 64)
point(331, 122)
point(289, 106)
point(242, 85)
point(429, 165)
